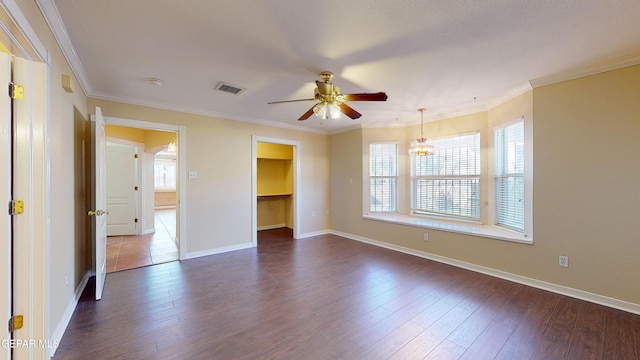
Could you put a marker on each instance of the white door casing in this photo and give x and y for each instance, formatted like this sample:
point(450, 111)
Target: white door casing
point(5, 197)
point(121, 189)
point(31, 230)
point(99, 200)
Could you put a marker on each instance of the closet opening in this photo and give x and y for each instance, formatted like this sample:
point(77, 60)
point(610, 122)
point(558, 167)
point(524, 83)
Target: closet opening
point(275, 205)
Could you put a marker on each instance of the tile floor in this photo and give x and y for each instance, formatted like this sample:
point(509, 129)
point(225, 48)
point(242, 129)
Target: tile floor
point(128, 252)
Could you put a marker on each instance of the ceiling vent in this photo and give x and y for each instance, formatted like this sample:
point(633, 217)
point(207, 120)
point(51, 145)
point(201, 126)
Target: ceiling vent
point(229, 88)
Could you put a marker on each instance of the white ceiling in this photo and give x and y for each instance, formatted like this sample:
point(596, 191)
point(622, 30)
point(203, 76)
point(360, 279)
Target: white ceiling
point(449, 56)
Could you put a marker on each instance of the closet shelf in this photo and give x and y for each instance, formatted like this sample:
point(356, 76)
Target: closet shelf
point(272, 196)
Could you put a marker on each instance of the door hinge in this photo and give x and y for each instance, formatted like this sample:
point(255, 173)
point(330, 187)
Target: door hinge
point(135, 188)
point(135, 156)
point(135, 220)
point(16, 92)
point(16, 207)
point(16, 322)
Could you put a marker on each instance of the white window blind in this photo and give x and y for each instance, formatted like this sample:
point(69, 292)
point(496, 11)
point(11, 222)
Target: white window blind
point(509, 175)
point(383, 177)
point(448, 182)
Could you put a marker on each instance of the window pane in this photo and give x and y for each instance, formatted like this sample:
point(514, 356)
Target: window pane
point(448, 182)
point(383, 159)
point(164, 174)
point(509, 175)
point(383, 175)
point(460, 197)
point(383, 195)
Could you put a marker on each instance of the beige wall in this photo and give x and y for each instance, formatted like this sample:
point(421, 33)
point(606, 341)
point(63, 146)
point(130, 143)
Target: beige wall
point(586, 163)
point(219, 201)
point(587, 171)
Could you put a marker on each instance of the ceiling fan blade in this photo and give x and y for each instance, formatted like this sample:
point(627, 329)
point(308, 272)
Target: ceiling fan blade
point(349, 111)
point(379, 96)
point(288, 101)
point(306, 115)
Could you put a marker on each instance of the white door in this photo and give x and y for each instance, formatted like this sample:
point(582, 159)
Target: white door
point(99, 200)
point(5, 197)
point(121, 189)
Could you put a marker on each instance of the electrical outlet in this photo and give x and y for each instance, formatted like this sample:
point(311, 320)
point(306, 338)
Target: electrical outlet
point(563, 261)
point(426, 237)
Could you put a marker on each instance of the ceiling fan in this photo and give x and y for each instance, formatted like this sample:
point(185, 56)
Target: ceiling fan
point(331, 101)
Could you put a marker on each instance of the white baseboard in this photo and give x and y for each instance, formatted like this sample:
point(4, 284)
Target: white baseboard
point(271, 227)
point(558, 289)
point(197, 254)
point(312, 234)
point(149, 231)
point(68, 312)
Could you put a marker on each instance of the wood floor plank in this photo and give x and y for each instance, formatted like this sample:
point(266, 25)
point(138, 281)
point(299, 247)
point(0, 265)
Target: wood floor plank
point(328, 297)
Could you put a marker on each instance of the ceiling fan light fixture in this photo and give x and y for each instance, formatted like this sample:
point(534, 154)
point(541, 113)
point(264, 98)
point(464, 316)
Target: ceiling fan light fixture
point(420, 147)
point(327, 111)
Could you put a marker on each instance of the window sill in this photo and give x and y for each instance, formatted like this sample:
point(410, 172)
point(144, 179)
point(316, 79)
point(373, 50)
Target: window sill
point(460, 227)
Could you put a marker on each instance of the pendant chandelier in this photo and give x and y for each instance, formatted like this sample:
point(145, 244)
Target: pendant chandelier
point(420, 147)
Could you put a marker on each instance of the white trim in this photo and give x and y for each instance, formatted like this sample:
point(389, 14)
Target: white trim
point(555, 288)
point(271, 227)
point(197, 254)
point(254, 185)
point(58, 333)
point(597, 68)
point(26, 30)
point(54, 20)
point(314, 233)
point(459, 227)
point(149, 231)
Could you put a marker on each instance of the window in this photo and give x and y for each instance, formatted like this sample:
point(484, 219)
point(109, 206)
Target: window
point(509, 175)
point(448, 182)
point(164, 173)
point(383, 177)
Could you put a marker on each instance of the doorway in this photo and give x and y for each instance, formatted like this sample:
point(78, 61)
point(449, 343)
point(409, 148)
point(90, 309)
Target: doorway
point(275, 185)
point(141, 197)
point(158, 232)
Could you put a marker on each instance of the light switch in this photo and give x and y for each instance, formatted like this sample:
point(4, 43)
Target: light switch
point(193, 175)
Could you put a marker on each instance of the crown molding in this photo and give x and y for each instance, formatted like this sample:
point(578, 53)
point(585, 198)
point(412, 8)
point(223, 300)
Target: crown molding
point(596, 68)
point(208, 113)
point(54, 20)
point(36, 50)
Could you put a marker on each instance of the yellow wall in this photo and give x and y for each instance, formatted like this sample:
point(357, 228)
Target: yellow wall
point(585, 141)
point(274, 151)
point(125, 133)
point(153, 140)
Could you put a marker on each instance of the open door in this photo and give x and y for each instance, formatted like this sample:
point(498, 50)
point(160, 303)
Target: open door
point(99, 200)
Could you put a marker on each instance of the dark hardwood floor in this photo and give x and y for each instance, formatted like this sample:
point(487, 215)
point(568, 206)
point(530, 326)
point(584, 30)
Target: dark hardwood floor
point(331, 298)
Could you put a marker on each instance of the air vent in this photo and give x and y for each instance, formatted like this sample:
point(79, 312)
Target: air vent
point(229, 88)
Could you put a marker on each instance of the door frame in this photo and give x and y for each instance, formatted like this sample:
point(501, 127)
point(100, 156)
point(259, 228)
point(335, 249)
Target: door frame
point(255, 139)
point(181, 207)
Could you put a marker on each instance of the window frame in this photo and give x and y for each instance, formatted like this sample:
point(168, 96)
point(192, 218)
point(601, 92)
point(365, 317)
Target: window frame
point(394, 178)
point(500, 161)
point(453, 177)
